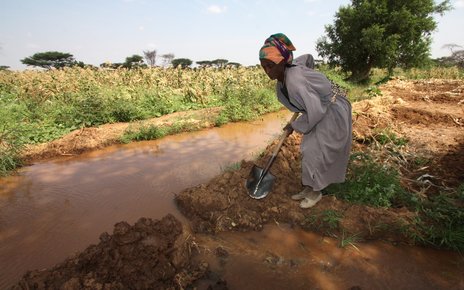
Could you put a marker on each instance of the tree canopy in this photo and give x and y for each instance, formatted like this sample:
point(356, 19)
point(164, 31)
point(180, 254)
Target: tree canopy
point(220, 62)
point(204, 63)
point(455, 59)
point(380, 33)
point(134, 61)
point(181, 62)
point(51, 59)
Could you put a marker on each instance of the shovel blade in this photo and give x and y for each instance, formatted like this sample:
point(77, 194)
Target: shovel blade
point(256, 189)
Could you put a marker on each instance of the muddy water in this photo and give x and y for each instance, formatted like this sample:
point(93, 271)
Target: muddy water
point(52, 209)
point(280, 257)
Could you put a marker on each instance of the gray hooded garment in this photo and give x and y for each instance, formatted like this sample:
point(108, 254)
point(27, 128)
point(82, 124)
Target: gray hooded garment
point(325, 125)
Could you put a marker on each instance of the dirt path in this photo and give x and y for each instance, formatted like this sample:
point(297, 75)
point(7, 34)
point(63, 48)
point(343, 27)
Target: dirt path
point(428, 113)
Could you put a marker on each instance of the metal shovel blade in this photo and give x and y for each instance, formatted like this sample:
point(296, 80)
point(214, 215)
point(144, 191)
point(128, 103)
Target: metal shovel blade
point(259, 189)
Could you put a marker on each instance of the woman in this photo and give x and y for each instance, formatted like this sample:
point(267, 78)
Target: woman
point(325, 119)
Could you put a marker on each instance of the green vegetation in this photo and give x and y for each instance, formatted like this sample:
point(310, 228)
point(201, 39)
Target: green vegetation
point(152, 132)
point(40, 106)
point(369, 183)
point(439, 218)
point(381, 34)
point(441, 221)
point(51, 59)
point(232, 167)
point(348, 240)
point(327, 221)
point(244, 105)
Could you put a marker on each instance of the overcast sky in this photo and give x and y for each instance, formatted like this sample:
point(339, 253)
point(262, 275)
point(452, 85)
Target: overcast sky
point(97, 31)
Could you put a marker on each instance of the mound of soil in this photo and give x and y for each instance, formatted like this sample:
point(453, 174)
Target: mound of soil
point(151, 254)
point(223, 204)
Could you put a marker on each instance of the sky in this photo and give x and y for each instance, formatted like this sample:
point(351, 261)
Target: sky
point(98, 31)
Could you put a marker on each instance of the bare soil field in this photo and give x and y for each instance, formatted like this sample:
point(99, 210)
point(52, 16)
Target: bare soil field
point(158, 254)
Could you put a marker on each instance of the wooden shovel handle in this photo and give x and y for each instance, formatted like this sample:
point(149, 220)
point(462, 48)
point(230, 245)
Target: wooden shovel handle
point(276, 150)
point(284, 135)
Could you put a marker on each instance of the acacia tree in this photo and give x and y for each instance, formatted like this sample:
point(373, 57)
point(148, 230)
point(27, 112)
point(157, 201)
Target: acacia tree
point(380, 33)
point(150, 57)
point(181, 62)
point(220, 62)
point(204, 63)
point(51, 59)
point(134, 61)
point(167, 58)
point(455, 59)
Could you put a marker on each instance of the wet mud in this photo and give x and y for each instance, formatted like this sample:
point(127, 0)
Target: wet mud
point(151, 254)
point(224, 204)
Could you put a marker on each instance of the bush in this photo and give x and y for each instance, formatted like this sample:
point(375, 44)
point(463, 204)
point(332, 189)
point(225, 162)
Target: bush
point(369, 183)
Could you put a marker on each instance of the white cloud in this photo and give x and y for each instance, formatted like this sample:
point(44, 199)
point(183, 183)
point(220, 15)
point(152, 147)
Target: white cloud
point(33, 45)
point(459, 3)
point(311, 13)
point(151, 45)
point(310, 1)
point(141, 28)
point(215, 9)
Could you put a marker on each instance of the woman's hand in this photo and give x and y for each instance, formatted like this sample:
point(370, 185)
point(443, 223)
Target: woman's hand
point(288, 128)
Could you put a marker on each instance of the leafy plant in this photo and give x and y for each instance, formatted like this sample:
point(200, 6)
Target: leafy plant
point(331, 219)
point(369, 183)
point(440, 223)
point(349, 240)
point(386, 136)
point(373, 91)
point(232, 167)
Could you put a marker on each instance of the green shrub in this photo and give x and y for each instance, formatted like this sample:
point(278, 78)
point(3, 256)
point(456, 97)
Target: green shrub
point(369, 183)
point(440, 222)
point(150, 132)
point(245, 105)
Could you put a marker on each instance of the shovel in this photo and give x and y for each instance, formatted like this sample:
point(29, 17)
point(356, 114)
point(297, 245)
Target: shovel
point(260, 181)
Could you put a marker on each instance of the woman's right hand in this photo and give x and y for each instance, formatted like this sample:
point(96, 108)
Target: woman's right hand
point(288, 128)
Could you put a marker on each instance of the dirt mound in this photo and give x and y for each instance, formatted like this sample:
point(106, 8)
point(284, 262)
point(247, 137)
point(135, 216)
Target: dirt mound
point(86, 139)
point(151, 254)
point(223, 204)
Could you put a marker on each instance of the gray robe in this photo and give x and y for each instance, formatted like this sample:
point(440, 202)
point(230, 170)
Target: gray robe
point(326, 126)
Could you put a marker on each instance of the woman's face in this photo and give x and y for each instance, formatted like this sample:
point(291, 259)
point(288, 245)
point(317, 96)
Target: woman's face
point(273, 70)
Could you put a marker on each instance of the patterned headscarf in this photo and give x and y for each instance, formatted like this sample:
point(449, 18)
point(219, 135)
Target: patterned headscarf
point(277, 48)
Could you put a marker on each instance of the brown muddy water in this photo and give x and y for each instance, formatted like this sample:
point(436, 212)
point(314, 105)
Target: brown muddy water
point(52, 209)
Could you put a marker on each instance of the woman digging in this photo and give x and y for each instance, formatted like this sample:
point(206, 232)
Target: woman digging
point(324, 121)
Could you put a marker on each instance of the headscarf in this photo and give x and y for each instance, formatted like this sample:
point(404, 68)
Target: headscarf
point(276, 48)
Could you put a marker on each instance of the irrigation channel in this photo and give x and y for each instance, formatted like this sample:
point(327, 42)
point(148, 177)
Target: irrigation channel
point(52, 209)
